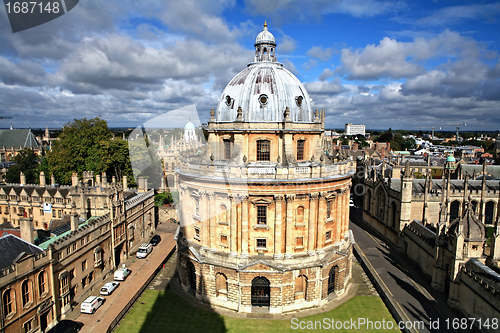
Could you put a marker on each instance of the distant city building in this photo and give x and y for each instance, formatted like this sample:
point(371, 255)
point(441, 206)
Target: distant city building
point(351, 129)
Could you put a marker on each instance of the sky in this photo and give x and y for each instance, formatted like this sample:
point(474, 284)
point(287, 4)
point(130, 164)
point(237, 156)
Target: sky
point(398, 64)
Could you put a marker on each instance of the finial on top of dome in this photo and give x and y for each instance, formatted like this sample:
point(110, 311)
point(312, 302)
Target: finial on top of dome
point(265, 25)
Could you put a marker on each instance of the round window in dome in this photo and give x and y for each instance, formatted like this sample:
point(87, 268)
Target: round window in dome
point(228, 100)
point(299, 100)
point(263, 99)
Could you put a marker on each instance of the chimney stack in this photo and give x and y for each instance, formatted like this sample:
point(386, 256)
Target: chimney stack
point(125, 184)
point(74, 217)
point(42, 178)
point(74, 179)
point(22, 176)
point(26, 226)
point(52, 180)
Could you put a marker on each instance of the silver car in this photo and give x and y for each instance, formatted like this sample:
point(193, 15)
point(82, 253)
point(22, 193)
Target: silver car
point(109, 287)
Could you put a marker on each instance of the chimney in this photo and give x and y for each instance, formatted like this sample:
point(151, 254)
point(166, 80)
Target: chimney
point(26, 226)
point(104, 180)
point(52, 180)
point(42, 178)
point(113, 180)
point(74, 217)
point(22, 176)
point(74, 179)
point(125, 184)
point(97, 180)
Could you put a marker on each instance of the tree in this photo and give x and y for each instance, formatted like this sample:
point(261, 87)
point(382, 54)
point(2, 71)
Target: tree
point(26, 162)
point(86, 145)
point(409, 143)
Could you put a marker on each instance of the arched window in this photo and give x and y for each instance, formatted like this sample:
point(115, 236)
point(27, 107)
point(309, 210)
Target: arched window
point(488, 212)
point(227, 149)
point(42, 283)
point(223, 214)
point(25, 292)
point(263, 150)
point(221, 285)
point(474, 207)
point(331, 279)
point(191, 275)
point(300, 287)
point(368, 201)
point(380, 203)
point(8, 302)
point(454, 208)
point(300, 215)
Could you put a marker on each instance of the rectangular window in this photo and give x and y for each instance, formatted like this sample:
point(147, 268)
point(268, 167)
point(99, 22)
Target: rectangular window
point(300, 149)
point(197, 233)
point(299, 241)
point(72, 274)
point(328, 236)
point(261, 214)
point(227, 149)
point(84, 265)
point(263, 150)
point(74, 246)
point(84, 282)
point(27, 326)
point(223, 240)
point(91, 276)
point(261, 243)
point(328, 209)
point(64, 285)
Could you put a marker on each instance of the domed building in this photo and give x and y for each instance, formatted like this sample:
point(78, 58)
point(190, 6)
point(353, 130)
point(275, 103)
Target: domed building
point(264, 212)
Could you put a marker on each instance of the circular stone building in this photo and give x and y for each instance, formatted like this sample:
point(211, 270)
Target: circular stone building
point(264, 212)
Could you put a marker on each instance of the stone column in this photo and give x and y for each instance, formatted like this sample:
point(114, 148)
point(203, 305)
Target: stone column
point(205, 220)
point(233, 229)
point(244, 227)
point(338, 217)
point(345, 213)
point(321, 221)
point(186, 212)
point(311, 229)
point(289, 226)
point(213, 221)
point(278, 199)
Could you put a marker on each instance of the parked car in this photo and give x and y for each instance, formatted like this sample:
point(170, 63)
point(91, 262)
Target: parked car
point(144, 250)
point(91, 304)
point(155, 240)
point(66, 326)
point(122, 273)
point(108, 288)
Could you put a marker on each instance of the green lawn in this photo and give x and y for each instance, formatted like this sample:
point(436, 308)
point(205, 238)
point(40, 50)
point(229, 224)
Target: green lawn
point(166, 312)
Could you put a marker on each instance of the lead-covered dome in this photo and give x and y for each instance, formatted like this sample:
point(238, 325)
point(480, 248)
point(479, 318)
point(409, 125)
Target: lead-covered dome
point(264, 90)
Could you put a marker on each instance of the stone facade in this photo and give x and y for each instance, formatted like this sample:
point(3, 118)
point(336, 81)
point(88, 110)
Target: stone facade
point(440, 225)
point(264, 212)
point(75, 262)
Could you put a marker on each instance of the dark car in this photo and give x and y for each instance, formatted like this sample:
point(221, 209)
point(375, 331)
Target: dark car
point(155, 240)
point(66, 326)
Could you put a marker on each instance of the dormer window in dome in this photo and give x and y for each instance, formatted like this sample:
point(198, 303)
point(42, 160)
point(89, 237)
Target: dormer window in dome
point(228, 100)
point(299, 100)
point(263, 99)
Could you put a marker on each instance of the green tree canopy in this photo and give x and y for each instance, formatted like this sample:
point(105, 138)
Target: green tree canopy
point(86, 145)
point(26, 162)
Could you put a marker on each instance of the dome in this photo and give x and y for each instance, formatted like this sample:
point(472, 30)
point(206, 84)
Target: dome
point(264, 90)
point(265, 37)
point(189, 126)
point(450, 158)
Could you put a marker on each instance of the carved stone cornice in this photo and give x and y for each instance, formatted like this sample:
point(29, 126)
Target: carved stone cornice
point(313, 196)
point(290, 197)
point(279, 198)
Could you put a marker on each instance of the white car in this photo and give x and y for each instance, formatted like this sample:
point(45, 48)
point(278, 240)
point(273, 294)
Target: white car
point(121, 274)
point(91, 304)
point(144, 250)
point(109, 287)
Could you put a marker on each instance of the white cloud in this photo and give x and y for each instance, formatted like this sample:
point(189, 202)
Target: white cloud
point(326, 74)
point(320, 53)
point(325, 87)
point(286, 44)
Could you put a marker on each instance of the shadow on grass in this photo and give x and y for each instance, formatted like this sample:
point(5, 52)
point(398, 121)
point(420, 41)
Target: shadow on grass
point(170, 313)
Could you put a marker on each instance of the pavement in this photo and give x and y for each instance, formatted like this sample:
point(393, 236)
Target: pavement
point(142, 270)
point(405, 283)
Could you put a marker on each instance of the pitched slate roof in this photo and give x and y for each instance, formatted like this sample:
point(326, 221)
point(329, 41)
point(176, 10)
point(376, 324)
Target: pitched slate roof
point(493, 170)
point(18, 138)
point(12, 247)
